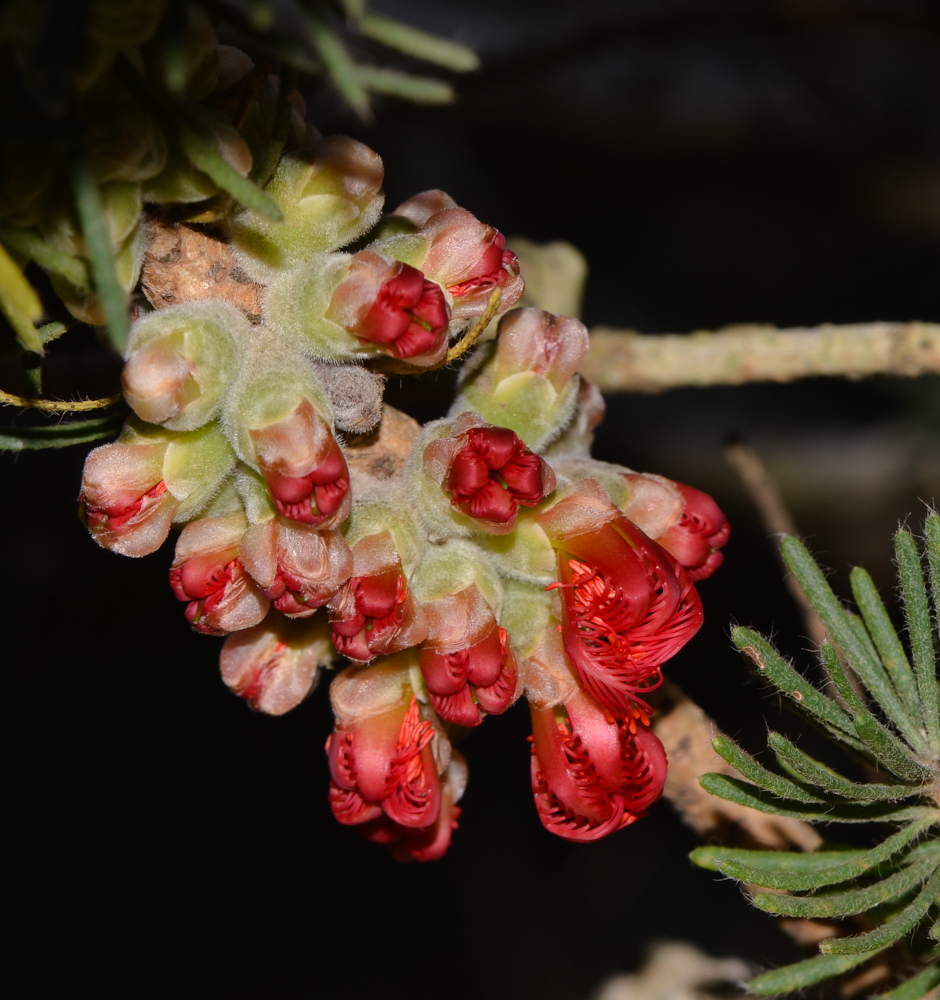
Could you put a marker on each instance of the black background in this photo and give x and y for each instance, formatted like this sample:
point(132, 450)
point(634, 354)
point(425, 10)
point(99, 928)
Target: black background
point(715, 164)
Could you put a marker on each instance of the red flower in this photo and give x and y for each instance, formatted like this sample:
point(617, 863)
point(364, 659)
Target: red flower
point(384, 765)
point(298, 567)
point(409, 314)
point(592, 775)
point(628, 607)
point(305, 468)
point(208, 574)
point(702, 530)
point(479, 678)
point(370, 613)
point(124, 501)
point(489, 472)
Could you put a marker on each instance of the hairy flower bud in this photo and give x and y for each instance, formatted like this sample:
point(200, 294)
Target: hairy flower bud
point(695, 541)
point(381, 756)
point(304, 467)
point(298, 567)
point(464, 255)
point(208, 574)
point(329, 197)
point(627, 605)
point(344, 308)
point(375, 613)
point(488, 473)
point(124, 500)
point(526, 380)
point(592, 775)
point(275, 665)
point(180, 362)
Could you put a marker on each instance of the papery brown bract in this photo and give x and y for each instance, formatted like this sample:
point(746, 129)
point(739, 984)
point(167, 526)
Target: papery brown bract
point(375, 613)
point(628, 606)
point(464, 255)
point(304, 467)
point(274, 666)
point(298, 567)
point(385, 765)
point(124, 501)
point(592, 774)
point(695, 541)
point(392, 305)
point(208, 574)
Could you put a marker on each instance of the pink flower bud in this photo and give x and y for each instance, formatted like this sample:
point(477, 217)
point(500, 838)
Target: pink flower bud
point(701, 532)
point(208, 574)
point(488, 472)
point(464, 255)
point(375, 613)
point(298, 567)
point(628, 606)
point(531, 340)
point(467, 661)
point(124, 501)
point(393, 305)
point(274, 665)
point(430, 843)
point(304, 467)
point(385, 764)
point(591, 774)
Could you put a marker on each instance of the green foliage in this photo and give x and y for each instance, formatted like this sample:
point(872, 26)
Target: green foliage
point(881, 706)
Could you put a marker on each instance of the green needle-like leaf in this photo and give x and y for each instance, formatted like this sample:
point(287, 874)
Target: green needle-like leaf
point(95, 230)
point(916, 987)
point(854, 900)
point(886, 639)
point(339, 65)
point(419, 44)
point(917, 613)
point(890, 931)
point(33, 246)
point(796, 861)
point(889, 750)
point(931, 709)
point(266, 164)
point(801, 974)
point(59, 436)
point(818, 774)
point(754, 772)
point(395, 83)
point(800, 881)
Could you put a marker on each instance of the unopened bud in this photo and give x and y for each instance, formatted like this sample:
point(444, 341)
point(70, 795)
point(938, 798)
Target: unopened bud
point(696, 539)
point(329, 198)
point(276, 664)
point(180, 362)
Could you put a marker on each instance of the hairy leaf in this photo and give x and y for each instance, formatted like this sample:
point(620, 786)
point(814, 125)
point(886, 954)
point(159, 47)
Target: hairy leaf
point(754, 772)
point(59, 436)
point(800, 974)
point(796, 861)
point(419, 44)
point(916, 987)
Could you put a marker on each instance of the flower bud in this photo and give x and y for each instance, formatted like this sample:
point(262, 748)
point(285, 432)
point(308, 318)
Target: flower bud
point(329, 197)
point(464, 255)
point(124, 500)
point(592, 775)
point(375, 613)
point(488, 473)
point(430, 843)
point(304, 467)
point(527, 380)
point(381, 756)
point(577, 440)
point(208, 574)
point(698, 536)
point(626, 605)
point(275, 665)
point(343, 308)
point(180, 362)
point(297, 567)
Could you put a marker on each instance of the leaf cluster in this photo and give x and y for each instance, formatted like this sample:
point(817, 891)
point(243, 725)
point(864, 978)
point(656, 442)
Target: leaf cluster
point(880, 705)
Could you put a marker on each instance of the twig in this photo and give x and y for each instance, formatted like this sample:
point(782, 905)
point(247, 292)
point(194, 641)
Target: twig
point(626, 361)
point(57, 406)
point(765, 495)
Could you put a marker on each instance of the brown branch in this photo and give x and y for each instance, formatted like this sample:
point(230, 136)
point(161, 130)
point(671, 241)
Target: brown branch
point(626, 361)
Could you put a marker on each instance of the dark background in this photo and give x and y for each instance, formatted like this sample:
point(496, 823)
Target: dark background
point(716, 163)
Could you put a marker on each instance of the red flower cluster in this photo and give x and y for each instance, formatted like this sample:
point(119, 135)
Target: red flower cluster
point(409, 314)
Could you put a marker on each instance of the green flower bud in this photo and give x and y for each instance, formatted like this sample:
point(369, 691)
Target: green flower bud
point(330, 196)
point(525, 554)
point(181, 360)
